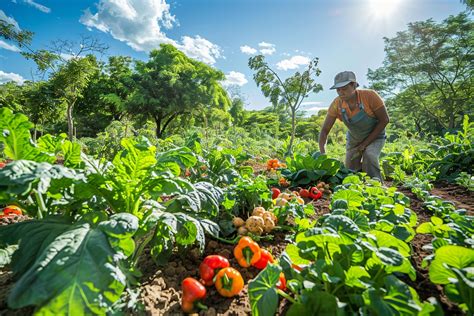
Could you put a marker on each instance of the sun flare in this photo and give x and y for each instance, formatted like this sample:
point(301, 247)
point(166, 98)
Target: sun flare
point(383, 9)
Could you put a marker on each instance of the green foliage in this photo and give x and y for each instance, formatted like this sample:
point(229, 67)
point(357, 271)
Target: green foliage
point(286, 95)
point(426, 70)
point(16, 139)
point(74, 268)
point(171, 84)
point(452, 267)
point(466, 180)
point(246, 194)
point(263, 293)
point(70, 81)
point(310, 169)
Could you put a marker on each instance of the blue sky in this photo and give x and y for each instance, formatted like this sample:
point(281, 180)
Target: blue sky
point(343, 34)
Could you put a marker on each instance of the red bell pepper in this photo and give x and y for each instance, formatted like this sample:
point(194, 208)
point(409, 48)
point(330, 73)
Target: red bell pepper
point(314, 193)
point(193, 293)
point(265, 258)
point(275, 193)
point(304, 193)
point(210, 266)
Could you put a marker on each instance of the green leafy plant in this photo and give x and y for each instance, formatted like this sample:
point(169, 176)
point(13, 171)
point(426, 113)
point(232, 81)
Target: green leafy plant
point(307, 170)
point(452, 267)
point(64, 268)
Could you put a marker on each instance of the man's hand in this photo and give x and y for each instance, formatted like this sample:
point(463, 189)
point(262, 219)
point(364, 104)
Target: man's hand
point(361, 147)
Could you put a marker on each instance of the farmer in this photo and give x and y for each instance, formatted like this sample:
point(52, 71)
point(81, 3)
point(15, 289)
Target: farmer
point(364, 113)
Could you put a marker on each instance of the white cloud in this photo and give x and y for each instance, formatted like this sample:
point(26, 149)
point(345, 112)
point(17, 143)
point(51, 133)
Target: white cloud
point(38, 6)
point(200, 48)
point(309, 103)
point(248, 50)
point(234, 78)
point(266, 48)
point(7, 46)
point(293, 63)
point(10, 76)
point(66, 56)
point(9, 20)
point(313, 107)
point(139, 24)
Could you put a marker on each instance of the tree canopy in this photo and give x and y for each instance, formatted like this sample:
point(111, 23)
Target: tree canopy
point(170, 84)
point(428, 72)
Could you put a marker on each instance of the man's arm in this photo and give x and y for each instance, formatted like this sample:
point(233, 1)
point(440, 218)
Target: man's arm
point(323, 135)
point(382, 116)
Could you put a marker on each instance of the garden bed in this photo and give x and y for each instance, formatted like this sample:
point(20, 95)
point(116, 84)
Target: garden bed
point(161, 286)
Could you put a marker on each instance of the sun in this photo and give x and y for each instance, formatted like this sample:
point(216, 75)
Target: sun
point(383, 9)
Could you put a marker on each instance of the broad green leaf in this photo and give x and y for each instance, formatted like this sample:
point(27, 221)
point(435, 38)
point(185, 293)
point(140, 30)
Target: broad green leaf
point(72, 154)
point(354, 275)
point(133, 163)
point(293, 252)
point(389, 241)
point(262, 291)
point(19, 177)
point(353, 179)
point(32, 237)
point(186, 234)
point(395, 299)
point(425, 228)
point(343, 225)
point(122, 225)
point(354, 198)
point(315, 303)
point(452, 256)
point(78, 273)
point(436, 220)
point(183, 157)
point(16, 139)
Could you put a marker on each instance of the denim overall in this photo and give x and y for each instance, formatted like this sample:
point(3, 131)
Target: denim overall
point(359, 127)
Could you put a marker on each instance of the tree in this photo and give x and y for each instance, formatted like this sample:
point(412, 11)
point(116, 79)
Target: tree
point(103, 100)
point(427, 72)
point(170, 85)
point(288, 94)
point(237, 111)
point(41, 105)
point(69, 83)
point(469, 4)
point(11, 96)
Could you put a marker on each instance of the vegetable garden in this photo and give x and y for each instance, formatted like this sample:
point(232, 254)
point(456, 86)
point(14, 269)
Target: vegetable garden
point(158, 228)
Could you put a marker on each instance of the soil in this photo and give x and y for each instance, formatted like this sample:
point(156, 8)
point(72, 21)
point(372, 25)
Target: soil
point(161, 286)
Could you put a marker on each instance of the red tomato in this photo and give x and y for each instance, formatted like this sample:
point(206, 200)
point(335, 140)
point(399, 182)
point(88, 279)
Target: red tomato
point(275, 193)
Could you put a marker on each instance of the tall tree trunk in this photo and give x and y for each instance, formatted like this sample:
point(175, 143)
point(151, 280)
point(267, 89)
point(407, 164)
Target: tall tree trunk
point(70, 123)
point(452, 116)
point(292, 137)
point(159, 132)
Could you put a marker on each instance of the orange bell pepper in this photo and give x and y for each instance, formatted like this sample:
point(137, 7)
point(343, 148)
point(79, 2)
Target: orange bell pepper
point(247, 252)
point(229, 282)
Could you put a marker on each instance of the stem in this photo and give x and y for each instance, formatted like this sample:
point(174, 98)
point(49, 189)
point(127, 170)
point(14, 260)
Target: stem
point(288, 297)
point(378, 273)
point(200, 306)
point(248, 254)
point(227, 241)
point(41, 205)
point(142, 246)
point(336, 289)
